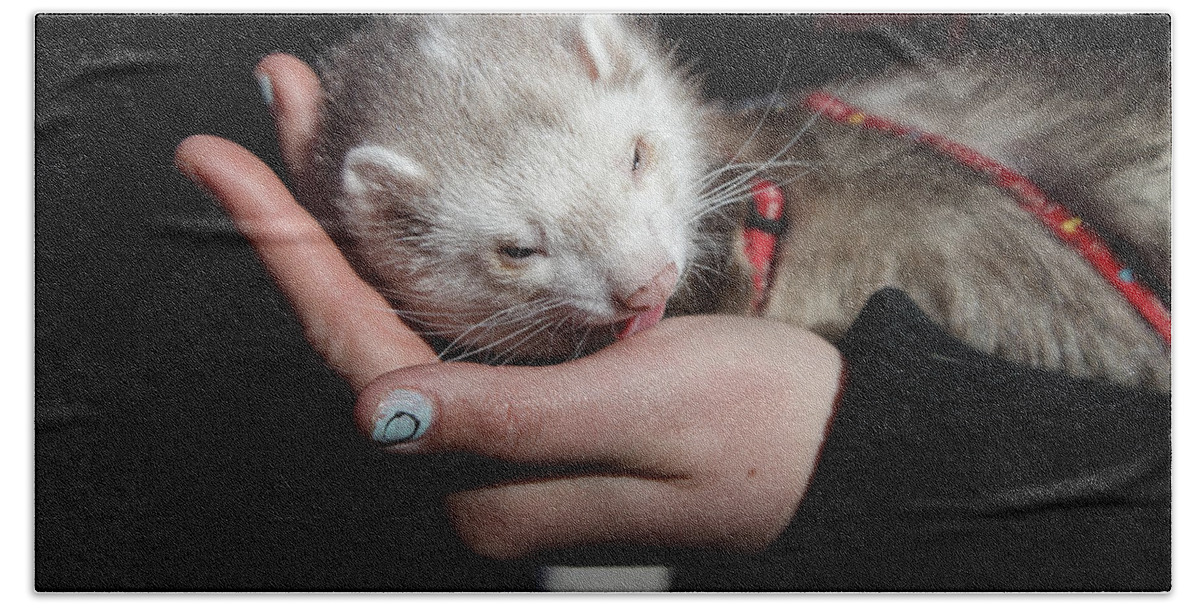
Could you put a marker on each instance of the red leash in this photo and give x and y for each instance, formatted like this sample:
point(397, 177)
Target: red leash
point(764, 223)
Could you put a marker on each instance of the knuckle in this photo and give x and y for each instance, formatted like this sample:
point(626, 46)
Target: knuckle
point(506, 425)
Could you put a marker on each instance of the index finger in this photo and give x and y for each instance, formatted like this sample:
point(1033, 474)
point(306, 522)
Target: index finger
point(347, 321)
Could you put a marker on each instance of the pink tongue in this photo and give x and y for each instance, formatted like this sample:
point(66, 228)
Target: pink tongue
point(644, 321)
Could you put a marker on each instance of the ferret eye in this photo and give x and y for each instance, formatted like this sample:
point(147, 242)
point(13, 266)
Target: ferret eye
point(517, 253)
point(639, 155)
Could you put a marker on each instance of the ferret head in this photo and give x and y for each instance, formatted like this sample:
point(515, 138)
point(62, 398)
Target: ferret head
point(525, 186)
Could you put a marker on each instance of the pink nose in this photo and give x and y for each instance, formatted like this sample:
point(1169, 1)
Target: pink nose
point(655, 291)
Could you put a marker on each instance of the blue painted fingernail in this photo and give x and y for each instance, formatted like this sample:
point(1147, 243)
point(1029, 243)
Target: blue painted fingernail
point(264, 87)
point(402, 416)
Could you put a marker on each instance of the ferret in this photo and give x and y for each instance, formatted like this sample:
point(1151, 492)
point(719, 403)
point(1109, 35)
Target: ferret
point(527, 189)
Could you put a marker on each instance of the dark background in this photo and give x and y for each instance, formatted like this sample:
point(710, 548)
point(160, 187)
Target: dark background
point(187, 438)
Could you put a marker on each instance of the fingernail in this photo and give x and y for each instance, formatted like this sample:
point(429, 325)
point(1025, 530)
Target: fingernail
point(264, 87)
point(402, 416)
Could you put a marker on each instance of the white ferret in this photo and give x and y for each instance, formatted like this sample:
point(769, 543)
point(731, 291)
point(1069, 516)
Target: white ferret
point(529, 188)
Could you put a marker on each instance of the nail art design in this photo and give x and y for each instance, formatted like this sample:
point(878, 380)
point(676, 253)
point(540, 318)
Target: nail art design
point(402, 416)
point(264, 87)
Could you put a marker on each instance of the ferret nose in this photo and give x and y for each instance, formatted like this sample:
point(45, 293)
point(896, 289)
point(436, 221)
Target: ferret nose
point(655, 292)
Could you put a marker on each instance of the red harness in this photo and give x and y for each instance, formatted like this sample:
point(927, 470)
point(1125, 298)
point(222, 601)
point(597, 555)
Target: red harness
point(760, 235)
point(764, 223)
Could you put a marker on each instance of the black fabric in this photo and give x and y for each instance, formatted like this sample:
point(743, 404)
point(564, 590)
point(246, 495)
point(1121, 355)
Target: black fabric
point(187, 438)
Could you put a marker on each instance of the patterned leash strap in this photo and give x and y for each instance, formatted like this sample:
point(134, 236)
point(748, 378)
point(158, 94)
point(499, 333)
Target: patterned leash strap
point(1068, 227)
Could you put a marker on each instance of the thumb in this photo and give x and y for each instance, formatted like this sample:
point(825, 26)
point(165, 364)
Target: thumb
point(569, 413)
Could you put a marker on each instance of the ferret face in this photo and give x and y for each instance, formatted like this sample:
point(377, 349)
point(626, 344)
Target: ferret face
point(538, 227)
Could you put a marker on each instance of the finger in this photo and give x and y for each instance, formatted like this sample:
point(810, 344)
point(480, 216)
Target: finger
point(293, 92)
point(681, 388)
point(511, 521)
point(348, 323)
point(492, 412)
point(567, 414)
point(515, 520)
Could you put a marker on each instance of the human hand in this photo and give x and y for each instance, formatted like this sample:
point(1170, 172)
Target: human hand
point(704, 430)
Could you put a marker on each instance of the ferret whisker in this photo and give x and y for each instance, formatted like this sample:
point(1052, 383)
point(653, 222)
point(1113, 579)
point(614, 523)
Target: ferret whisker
point(772, 101)
point(756, 169)
point(812, 120)
point(436, 319)
point(587, 333)
point(719, 204)
point(541, 328)
point(729, 188)
point(737, 182)
point(518, 314)
point(743, 192)
point(487, 322)
point(530, 329)
point(742, 195)
point(793, 178)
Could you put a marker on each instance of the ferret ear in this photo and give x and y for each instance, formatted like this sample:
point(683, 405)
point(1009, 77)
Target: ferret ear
point(373, 173)
point(608, 49)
